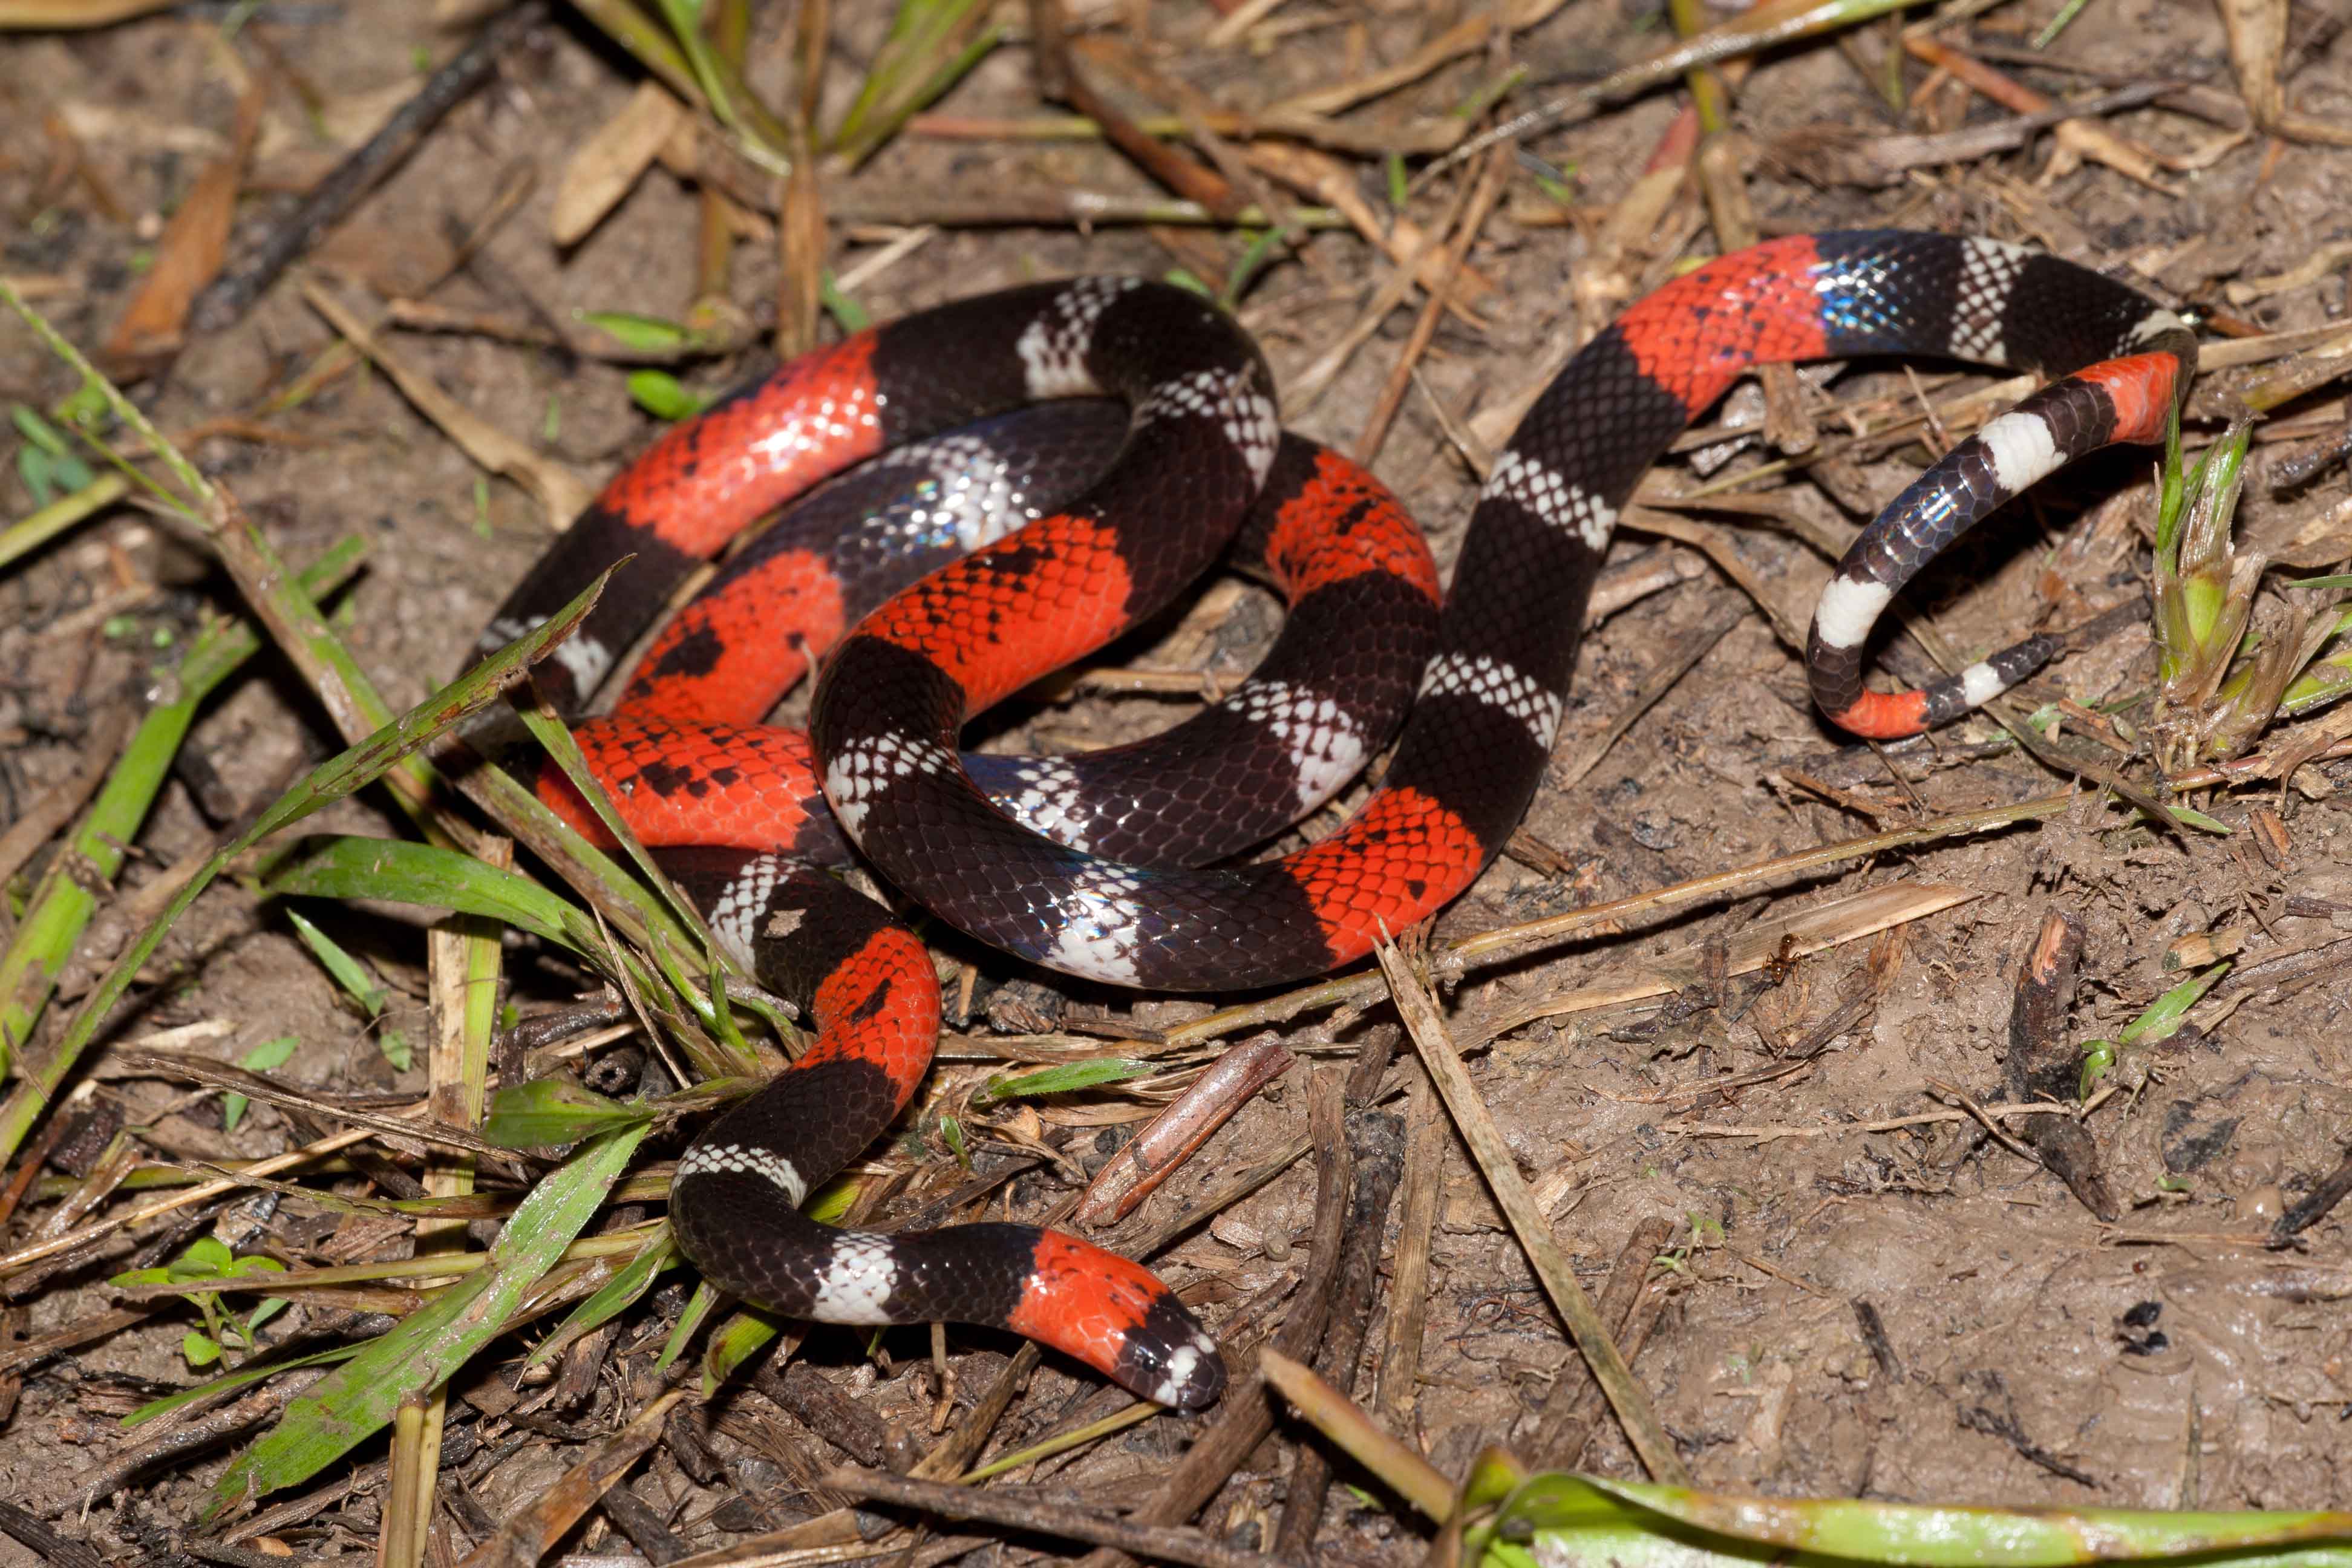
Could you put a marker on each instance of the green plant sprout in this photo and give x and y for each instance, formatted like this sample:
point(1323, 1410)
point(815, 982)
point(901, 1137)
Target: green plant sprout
point(207, 1258)
point(2222, 678)
point(2161, 1020)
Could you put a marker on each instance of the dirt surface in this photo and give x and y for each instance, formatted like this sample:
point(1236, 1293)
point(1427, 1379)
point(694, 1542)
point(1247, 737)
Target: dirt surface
point(2023, 1351)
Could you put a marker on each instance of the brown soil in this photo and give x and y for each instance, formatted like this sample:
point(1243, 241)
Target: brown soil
point(2031, 1355)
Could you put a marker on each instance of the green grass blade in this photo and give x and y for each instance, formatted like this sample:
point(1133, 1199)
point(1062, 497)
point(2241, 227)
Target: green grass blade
point(328, 782)
point(38, 527)
point(1063, 1079)
point(2163, 1017)
point(698, 1308)
point(469, 694)
point(358, 982)
point(251, 1372)
point(555, 738)
point(411, 873)
point(349, 1405)
point(616, 1296)
point(551, 1111)
point(1589, 1519)
point(62, 905)
point(736, 1340)
point(931, 45)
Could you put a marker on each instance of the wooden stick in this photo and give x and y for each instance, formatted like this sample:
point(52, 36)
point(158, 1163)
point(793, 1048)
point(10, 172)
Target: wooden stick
point(1419, 1010)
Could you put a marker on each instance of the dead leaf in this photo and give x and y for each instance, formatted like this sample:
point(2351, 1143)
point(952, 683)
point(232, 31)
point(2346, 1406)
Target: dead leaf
point(609, 165)
point(195, 244)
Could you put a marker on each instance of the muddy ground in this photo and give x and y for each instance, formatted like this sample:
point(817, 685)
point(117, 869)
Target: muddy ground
point(2027, 1352)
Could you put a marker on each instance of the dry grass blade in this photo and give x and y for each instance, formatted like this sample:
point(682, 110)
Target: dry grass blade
point(1773, 23)
point(1425, 262)
point(1409, 1293)
point(561, 492)
point(608, 164)
point(529, 1533)
point(2075, 138)
point(1768, 1133)
point(2258, 45)
point(1465, 36)
point(1168, 1544)
point(1769, 940)
point(205, 1193)
point(464, 960)
point(45, 15)
point(1727, 611)
point(1485, 191)
point(1469, 953)
point(1339, 1419)
point(1422, 1021)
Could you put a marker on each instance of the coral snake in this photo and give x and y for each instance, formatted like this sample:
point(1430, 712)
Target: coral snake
point(1088, 865)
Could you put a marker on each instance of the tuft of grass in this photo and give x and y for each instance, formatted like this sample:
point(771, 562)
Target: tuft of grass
point(2160, 1020)
point(931, 45)
point(2230, 659)
point(210, 1258)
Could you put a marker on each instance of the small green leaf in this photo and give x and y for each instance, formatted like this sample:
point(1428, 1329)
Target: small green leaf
point(647, 334)
point(2165, 1015)
point(206, 1257)
point(2202, 823)
point(951, 1129)
point(37, 469)
point(84, 409)
point(1063, 1079)
point(271, 1055)
point(2160, 1020)
point(38, 431)
point(410, 873)
point(549, 1111)
point(661, 394)
point(853, 316)
point(1554, 184)
point(358, 983)
point(2098, 1055)
point(396, 1051)
point(263, 1058)
point(736, 1340)
point(199, 1348)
